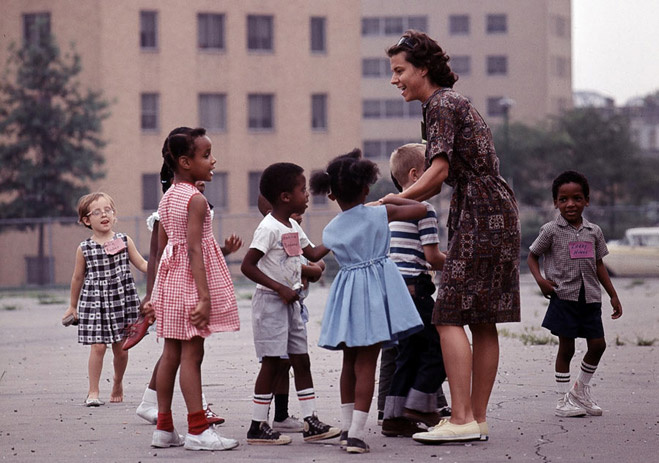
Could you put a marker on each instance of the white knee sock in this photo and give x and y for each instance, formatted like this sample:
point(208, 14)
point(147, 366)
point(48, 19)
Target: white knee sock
point(358, 424)
point(586, 373)
point(562, 382)
point(307, 398)
point(261, 406)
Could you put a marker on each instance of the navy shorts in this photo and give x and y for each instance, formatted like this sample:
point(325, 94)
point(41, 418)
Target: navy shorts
point(574, 319)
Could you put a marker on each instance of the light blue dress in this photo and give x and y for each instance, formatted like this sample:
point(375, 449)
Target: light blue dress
point(369, 301)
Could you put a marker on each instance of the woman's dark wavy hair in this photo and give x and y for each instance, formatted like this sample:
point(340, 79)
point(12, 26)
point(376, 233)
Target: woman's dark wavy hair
point(345, 176)
point(179, 142)
point(423, 52)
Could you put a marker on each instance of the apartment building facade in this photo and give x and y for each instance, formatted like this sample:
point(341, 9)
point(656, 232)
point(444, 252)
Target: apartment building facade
point(271, 81)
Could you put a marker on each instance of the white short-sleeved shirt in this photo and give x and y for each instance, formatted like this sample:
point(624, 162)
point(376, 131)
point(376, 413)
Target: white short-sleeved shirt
point(276, 263)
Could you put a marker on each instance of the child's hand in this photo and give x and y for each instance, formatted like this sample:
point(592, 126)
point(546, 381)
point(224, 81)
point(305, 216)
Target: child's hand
point(617, 307)
point(547, 287)
point(70, 316)
point(147, 311)
point(287, 294)
point(232, 244)
point(200, 315)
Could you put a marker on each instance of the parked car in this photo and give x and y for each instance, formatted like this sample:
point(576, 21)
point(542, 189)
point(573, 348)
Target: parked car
point(636, 254)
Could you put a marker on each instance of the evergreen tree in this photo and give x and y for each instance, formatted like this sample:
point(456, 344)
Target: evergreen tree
point(50, 135)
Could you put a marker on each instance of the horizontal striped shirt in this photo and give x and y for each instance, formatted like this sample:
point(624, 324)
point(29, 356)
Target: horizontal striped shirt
point(408, 239)
point(567, 271)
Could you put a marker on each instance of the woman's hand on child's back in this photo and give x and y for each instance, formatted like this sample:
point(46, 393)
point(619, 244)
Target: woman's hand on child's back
point(200, 315)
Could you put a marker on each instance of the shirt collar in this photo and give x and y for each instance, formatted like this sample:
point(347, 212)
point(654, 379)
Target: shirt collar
point(560, 220)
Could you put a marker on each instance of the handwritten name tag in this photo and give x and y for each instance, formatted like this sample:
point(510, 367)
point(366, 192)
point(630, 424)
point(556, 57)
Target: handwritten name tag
point(114, 246)
point(291, 243)
point(581, 250)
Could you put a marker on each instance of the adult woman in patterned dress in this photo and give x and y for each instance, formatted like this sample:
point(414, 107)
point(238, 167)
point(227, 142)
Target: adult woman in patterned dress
point(480, 282)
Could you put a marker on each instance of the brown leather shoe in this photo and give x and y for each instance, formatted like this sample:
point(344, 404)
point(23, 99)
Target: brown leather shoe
point(401, 427)
point(428, 418)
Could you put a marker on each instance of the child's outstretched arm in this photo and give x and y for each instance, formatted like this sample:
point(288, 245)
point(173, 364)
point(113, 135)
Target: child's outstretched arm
point(251, 271)
point(231, 244)
point(546, 286)
point(399, 208)
point(605, 280)
point(196, 214)
point(135, 257)
point(77, 280)
point(315, 253)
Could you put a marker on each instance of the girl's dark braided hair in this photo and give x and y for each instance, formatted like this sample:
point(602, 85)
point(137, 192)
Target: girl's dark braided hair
point(423, 52)
point(345, 176)
point(179, 142)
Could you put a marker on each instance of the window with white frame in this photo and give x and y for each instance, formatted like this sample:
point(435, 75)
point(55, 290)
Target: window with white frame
point(419, 23)
point(382, 149)
point(392, 25)
point(216, 190)
point(319, 111)
point(213, 111)
point(496, 24)
point(260, 111)
point(318, 34)
point(210, 31)
point(390, 108)
point(148, 30)
point(151, 188)
point(260, 32)
point(458, 24)
point(36, 27)
point(149, 111)
point(375, 67)
point(461, 64)
point(497, 65)
point(254, 179)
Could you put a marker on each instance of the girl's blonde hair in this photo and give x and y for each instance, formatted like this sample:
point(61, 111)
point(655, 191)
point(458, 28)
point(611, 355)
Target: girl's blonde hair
point(85, 201)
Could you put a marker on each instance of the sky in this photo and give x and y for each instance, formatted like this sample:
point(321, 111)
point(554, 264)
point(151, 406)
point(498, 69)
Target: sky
point(615, 47)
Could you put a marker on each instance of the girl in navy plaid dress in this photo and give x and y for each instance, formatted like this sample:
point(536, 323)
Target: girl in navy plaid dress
point(103, 295)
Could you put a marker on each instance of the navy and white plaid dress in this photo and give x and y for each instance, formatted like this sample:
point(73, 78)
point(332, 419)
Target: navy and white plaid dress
point(108, 300)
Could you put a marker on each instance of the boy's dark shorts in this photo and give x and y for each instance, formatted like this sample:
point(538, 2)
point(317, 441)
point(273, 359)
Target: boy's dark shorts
point(574, 319)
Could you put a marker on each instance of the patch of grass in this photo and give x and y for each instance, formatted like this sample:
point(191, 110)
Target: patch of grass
point(635, 282)
point(244, 296)
point(46, 299)
point(619, 342)
point(9, 307)
point(644, 342)
point(529, 337)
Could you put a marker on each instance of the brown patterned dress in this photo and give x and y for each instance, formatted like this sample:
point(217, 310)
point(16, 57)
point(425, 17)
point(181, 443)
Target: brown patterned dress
point(480, 280)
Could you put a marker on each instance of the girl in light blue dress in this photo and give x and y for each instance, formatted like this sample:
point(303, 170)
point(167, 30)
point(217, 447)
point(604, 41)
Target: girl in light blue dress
point(369, 305)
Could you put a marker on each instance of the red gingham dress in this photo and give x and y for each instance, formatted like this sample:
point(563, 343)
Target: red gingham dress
point(175, 293)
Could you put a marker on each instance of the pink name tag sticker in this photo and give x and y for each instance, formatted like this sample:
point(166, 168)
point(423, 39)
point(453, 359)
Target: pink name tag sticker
point(114, 246)
point(581, 250)
point(291, 243)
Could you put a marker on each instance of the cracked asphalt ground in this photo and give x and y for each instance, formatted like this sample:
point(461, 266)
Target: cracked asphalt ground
point(43, 382)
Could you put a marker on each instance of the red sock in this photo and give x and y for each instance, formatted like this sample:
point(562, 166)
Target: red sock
point(197, 422)
point(165, 422)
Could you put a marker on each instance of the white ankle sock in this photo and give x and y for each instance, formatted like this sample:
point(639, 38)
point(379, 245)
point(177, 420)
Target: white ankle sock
point(562, 382)
point(307, 398)
point(150, 396)
point(358, 424)
point(586, 373)
point(346, 415)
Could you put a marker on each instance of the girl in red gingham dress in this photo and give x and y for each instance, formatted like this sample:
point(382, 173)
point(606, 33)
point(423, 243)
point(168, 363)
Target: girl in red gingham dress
point(193, 293)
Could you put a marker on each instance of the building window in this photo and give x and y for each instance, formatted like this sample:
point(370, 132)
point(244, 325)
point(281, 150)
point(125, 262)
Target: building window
point(210, 31)
point(393, 25)
point(497, 24)
point(260, 111)
point(394, 108)
point(370, 26)
point(458, 24)
point(36, 28)
point(254, 181)
point(213, 111)
point(149, 111)
point(497, 65)
point(371, 109)
point(560, 66)
point(318, 34)
point(151, 188)
point(375, 67)
point(260, 32)
point(419, 23)
point(461, 65)
point(494, 106)
point(382, 149)
point(216, 190)
point(319, 111)
point(148, 30)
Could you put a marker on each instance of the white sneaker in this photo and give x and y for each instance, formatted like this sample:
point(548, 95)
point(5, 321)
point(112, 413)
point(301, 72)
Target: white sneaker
point(290, 424)
point(567, 408)
point(580, 395)
point(164, 439)
point(148, 411)
point(209, 440)
point(446, 431)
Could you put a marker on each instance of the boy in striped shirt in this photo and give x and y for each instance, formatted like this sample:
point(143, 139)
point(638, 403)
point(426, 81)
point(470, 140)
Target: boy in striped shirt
point(411, 402)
